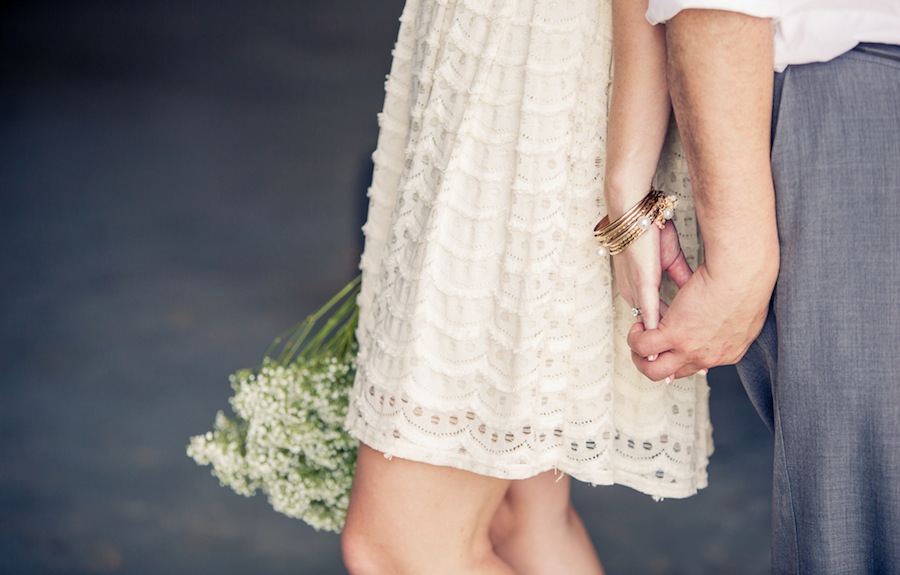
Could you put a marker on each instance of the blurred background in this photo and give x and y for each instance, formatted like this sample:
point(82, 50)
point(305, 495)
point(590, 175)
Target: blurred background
point(180, 182)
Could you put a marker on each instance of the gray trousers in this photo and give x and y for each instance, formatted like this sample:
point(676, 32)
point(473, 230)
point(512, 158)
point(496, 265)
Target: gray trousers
point(824, 372)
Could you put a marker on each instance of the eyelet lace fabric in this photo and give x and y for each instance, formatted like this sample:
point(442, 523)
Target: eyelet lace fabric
point(490, 336)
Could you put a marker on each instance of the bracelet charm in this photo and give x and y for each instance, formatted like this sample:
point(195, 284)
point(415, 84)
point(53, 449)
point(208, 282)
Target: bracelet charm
point(655, 209)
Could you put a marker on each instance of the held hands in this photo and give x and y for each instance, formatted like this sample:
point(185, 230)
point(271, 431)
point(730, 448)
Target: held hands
point(719, 75)
point(712, 321)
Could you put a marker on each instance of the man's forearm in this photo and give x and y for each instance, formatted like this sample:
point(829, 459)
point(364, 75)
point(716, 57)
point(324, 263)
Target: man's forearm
point(720, 69)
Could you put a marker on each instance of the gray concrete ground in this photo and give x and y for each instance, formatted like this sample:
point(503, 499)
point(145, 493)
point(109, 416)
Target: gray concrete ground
point(180, 182)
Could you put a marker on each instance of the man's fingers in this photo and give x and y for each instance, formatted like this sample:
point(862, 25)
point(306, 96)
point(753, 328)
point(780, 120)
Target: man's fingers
point(653, 355)
point(639, 327)
point(646, 342)
point(665, 365)
point(636, 328)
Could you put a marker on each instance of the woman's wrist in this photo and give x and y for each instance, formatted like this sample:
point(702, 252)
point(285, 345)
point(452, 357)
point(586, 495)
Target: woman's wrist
point(623, 193)
point(614, 236)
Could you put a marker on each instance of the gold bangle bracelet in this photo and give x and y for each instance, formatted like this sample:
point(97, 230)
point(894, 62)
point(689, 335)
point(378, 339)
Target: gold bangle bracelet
point(654, 209)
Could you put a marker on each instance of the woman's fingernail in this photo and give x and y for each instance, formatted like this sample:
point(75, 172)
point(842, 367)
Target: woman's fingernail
point(703, 371)
point(668, 380)
point(651, 357)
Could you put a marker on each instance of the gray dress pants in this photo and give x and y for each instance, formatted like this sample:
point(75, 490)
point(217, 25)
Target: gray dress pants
point(824, 372)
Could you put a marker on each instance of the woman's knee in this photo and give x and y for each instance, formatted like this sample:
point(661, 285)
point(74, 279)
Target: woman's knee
point(543, 498)
point(531, 506)
point(405, 515)
point(367, 550)
point(361, 554)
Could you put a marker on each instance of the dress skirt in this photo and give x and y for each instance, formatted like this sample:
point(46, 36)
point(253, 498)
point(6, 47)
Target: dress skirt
point(491, 338)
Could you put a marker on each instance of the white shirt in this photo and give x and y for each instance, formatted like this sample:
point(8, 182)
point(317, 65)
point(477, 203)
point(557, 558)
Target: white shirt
point(805, 30)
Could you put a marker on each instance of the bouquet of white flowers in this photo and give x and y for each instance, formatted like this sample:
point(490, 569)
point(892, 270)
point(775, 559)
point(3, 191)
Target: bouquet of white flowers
point(287, 438)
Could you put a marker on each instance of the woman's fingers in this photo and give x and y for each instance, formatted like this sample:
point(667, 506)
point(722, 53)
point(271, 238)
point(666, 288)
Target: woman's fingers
point(663, 308)
point(649, 306)
point(672, 257)
point(679, 270)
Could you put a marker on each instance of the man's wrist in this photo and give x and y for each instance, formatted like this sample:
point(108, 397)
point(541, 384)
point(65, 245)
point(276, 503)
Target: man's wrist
point(753, 262)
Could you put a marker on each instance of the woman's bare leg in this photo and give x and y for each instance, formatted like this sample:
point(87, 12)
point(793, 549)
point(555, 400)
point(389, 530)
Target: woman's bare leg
point(538, 532)
point(410, 518)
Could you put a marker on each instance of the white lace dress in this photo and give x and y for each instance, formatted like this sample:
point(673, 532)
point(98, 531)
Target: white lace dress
point(490, 337)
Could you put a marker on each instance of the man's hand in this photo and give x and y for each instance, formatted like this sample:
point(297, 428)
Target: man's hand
point(709, 323)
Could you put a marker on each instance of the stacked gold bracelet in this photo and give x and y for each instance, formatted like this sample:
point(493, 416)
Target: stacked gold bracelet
point(655, 208)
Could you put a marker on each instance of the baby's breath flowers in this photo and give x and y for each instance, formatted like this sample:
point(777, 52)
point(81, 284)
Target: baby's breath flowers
point(287, 438)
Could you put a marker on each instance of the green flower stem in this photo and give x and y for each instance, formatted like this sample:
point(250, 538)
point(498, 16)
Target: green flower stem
point(313, 338)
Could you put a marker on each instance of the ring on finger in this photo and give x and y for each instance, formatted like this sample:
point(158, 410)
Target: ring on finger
point(635, 312)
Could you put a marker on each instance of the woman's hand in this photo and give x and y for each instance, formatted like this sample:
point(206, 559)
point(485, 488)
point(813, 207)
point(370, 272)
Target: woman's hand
point(639, 270)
